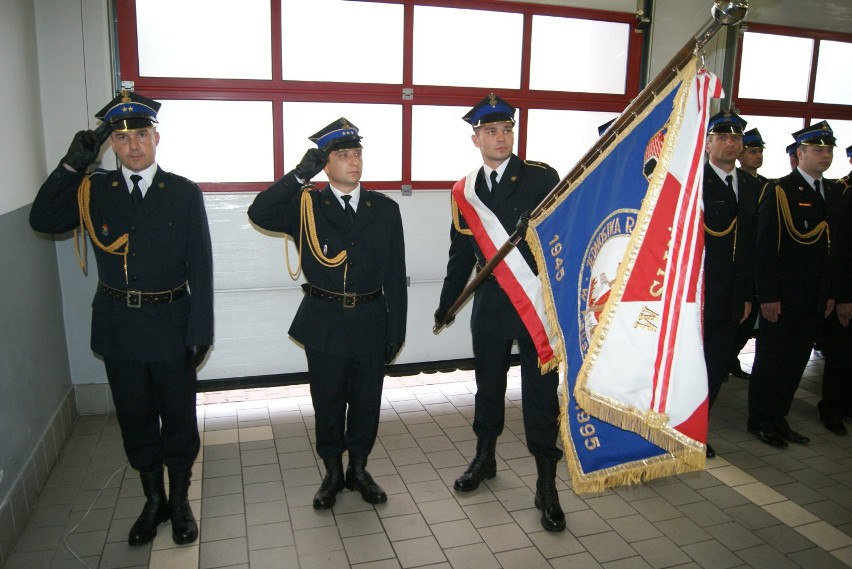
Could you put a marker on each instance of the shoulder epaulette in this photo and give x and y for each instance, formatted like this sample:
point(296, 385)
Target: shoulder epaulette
point(100, 172)
point(376, 194)
point(763, 189)
point(536, 164)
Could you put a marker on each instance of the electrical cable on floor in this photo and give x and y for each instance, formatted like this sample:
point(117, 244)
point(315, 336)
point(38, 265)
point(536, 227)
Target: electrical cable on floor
point(92, 505)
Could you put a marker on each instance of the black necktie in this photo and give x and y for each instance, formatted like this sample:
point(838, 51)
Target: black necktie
point(136, 192)
point(729, 181)
point(493, 180)
point(348, 208)
point(816, 187)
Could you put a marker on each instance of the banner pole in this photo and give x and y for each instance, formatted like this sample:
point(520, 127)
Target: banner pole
point(725, 13)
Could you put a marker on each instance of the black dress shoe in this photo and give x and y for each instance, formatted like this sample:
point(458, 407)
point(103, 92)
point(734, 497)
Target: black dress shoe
point(358, 479)
point(789, 435)
point(711, 452)
point(769, 437)
point(836, 426)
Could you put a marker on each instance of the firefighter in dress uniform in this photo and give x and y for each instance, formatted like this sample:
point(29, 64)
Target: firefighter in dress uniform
point(351, 320)
point(509, 187)
point(152, 315)
point(795, 224)
point(837, 375)
point(730, 222)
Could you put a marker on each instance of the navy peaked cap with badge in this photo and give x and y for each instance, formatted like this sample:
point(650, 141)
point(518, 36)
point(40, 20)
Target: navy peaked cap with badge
point(819, 134)
point(129, 111)
point(604, 126)
point(753, 138)
point(791, 148)
point(489, 110)
point(339, 134)
point(726, 122)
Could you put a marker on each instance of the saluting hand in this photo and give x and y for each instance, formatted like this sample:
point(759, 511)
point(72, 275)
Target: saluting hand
point(312, 164)
point(84, 149)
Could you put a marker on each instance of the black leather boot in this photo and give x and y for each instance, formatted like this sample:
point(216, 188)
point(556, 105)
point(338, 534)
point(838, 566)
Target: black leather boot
point(357, 478)
point(546, 496)
point(332, 483)
point(155, 512)
point(482, 467)
point(184, 528)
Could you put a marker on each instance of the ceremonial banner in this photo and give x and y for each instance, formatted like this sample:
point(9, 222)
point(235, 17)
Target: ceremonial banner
point(620, 256)
point(514, 275)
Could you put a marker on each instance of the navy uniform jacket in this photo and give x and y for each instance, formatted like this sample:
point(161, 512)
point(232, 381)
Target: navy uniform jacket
point(794, 273)
point(375, 260)
point(522, 187)
point(169, 245)
point(841, 239)
point(729, 275)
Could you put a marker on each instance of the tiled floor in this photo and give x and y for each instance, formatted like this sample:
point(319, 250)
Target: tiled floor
point(754, 506)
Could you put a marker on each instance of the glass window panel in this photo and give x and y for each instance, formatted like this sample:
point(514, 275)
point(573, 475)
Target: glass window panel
point(775, 67)
point(843, 133)
point(369, 52)
point(441, 147)
point(833, 80)
point(547, 140)
point(602, 68)
point(185, 39)
point(467, 48)
point(217, 141)
point(777, 134)
point(380, 125)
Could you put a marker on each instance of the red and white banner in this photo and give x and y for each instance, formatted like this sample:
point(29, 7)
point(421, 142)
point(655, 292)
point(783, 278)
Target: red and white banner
point(513, 274)
point(645, 368)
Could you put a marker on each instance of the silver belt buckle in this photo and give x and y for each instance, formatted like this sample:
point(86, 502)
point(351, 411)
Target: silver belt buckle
point(349, 300)
point(134, 299)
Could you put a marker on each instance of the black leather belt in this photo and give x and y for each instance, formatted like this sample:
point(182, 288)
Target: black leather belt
point(347, 299)
point(136, 298)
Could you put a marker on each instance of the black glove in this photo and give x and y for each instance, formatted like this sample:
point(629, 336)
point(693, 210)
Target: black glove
point(391, 350)
point(440, 313)
point(84, 150)
point(523, 224)
point(195, 354)
point(312, 164)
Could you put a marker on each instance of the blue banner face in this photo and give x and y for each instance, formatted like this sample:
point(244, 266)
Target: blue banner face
point(582, 240)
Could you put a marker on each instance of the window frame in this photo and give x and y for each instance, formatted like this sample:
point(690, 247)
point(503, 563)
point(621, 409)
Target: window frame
point(278, 90)
point(809, 110)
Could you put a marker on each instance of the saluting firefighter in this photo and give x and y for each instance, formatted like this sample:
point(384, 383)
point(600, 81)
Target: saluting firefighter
point(352, 318)
point(152, 315)
point(509, 188)
point(837, 376)
point(795, 238)
point(730, 224)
